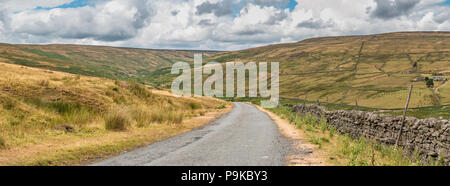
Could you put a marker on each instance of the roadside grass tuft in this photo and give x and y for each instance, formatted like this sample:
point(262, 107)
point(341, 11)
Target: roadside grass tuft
point(174, 117)
point(69, 112)
point(323, 125)
point(331, 131)
point(2, 143)
point(8, 103)
point(222, 106)
point(310, 128)
point(325, 139)
point(146, 116)
point(195, 106)
point(117, 120)
point(315, 140)
point(142, 117)
point(139, 89)
point(170, 117)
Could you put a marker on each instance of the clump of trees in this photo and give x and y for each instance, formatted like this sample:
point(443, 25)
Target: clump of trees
point(429, 82)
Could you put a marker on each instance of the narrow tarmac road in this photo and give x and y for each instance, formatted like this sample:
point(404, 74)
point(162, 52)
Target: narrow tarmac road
point(243, 137)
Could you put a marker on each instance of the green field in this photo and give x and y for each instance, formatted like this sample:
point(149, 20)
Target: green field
point(373, 70)
point(99, 61)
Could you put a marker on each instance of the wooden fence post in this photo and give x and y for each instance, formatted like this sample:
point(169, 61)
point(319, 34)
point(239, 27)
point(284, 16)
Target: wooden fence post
point(356, 104)
point(404, 117)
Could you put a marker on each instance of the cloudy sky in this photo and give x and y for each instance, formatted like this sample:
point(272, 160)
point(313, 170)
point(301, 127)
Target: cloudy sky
point(210, 24)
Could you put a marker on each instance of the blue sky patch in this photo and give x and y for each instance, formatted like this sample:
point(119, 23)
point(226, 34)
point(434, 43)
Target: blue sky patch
point(73, 4)
point(447, 2)
point(290, 5)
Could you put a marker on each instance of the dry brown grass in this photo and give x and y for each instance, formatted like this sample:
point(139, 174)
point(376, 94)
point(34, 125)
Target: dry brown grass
point(34, 102)
point(379, 78)
point(117, 120)
point(2, 143)
point(97, 144)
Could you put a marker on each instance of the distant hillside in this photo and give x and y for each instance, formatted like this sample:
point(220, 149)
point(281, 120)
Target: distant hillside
point(376, 70)
point(109, 62)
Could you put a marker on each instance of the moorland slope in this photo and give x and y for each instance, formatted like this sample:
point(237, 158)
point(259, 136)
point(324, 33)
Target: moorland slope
point(375, 70)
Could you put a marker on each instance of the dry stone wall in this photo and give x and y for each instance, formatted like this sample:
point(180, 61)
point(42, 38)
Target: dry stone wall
point(429, 137)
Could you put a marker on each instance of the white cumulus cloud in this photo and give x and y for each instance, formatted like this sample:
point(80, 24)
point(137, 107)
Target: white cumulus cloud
point(211, 24)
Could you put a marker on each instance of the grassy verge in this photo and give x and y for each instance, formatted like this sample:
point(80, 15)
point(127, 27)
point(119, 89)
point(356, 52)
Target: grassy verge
point(94, 144)
point(54, 118)
point(342, 149)
point(118, 130)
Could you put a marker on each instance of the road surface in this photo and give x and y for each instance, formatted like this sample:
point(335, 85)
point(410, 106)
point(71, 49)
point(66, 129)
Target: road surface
point(243, 137)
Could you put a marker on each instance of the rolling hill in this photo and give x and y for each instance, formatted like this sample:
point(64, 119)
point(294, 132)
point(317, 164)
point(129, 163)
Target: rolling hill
point(56, 118)
point(375, 70)
point(100, 61)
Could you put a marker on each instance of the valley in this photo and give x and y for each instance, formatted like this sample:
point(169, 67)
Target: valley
point(374, 70)
point(75, 104)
